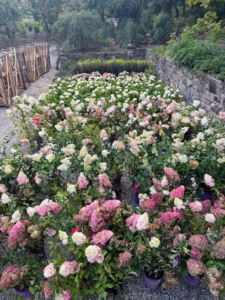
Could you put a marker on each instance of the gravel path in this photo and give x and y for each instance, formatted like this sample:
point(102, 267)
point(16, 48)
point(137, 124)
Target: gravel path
point(134, 288)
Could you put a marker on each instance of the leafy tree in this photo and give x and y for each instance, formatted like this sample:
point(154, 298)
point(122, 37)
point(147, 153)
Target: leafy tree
point(205, 3)
point(10, 16)
point(47, 11)
point(77, 29)
point(163, 27)
point(99, 5)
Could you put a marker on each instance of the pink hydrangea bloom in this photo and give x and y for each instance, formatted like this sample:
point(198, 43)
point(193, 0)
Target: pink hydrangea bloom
point(5, 224)
point(18, 235)
point(125, 259)
point(131, 222)
point(50, 231)
point(164, 182)
point(198, 241)
point(66, 295)
point(49, 271)
point(42, 210)
point(206, 204)
point(102, 237)
point(22, 178)
point(82, 182)
point(109, 208)
point(148, 206)
point(47, 290)
point(210, 218)
point(195, 206)
point(157, 185)
point(219, 250)
point(11, 276)
point(3, 188)
point(36, 121)
point(37, 179)
point(94, 254)
point(157, 197)
point(84, 215)
point(97, 222)
point(195, 267)
point(196, 254)
point(218, 212)
point(209, 180)
point(104, 180)
point(177, 193)
point(103, 135)
point(68, 268)
point(168, 218)
point(54, 206)
point(171, 175)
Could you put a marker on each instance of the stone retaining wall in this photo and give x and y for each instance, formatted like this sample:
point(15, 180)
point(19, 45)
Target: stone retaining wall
point(202, 87)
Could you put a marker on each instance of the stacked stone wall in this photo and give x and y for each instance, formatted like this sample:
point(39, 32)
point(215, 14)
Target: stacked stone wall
point(203, 87)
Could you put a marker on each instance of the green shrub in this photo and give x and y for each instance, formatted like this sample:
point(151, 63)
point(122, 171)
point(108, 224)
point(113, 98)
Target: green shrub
point(199, 56)
point(163, 27)
point(114, 66)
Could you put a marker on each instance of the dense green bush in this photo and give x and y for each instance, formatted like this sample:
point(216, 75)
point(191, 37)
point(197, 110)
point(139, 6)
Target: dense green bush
point(162, 27)
point(114, 66)
point(199, 56)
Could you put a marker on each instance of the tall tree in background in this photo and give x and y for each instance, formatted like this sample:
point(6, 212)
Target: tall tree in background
point(10, 15)
point(47, 11)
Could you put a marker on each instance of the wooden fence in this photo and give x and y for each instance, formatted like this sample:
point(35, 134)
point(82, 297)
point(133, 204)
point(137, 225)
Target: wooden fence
point(21, 66)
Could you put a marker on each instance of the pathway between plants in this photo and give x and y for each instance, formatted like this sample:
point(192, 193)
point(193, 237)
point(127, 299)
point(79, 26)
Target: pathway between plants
point(34, 90)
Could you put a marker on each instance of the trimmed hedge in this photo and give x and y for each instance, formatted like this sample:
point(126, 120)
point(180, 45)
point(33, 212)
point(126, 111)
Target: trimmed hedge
point(114, 66)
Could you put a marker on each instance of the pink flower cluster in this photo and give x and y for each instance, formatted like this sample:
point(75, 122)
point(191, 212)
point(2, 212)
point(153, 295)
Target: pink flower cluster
point(131, 222)
point(209, 180)
point(3, 188)
point(22, 178)
point(157, 185)
point(85, 213)
point(196, 254)
point(125, 259)
point(168, 218)
point(82, 182)
point(148, 206)
point(98, 216)
point(51, 206)
point(195, 267)
point(195, 206)
point(5, 224)
point(102, 237)
point(219, 250)
point(11, 276)
point(18, 234)
point(171, 175)
point(177, 193)
point(68, 268)
point(49, 271)
point(198, 241)
point(104, 180)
